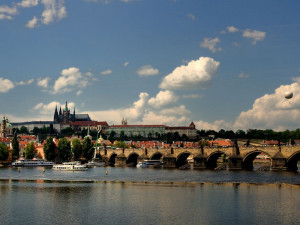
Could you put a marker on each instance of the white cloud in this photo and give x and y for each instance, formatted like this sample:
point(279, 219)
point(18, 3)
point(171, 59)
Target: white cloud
point(32, 23)
point(180, 111)
point(163, 98)
point(191, 16)
point(273, 111)
point(127, 1)
point(5, 17)
point(4, 9)
point(106, 72)
point(194, 75)
point(48, 109)
point(6, 85)
point(79, 92)
point(211, 43)
point(43, 82)
point(126, 64)
point(235, 44)
point(254, 35)
point(147, 70)
point(192, 96)
point(232, 29)
point(70, 79)
point(114, 116)
point(216, 125)
point(28, 3)
point(25, 82)
point(55, 10)
point(243, 75)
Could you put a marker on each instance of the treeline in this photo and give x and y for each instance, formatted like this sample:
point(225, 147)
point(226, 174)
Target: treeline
point(267, 134)
point(65, 151)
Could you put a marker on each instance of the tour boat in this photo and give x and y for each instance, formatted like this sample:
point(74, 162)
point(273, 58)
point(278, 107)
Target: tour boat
point(95, 164)
point(70, 166)
point(149, 163)
point(29, 163)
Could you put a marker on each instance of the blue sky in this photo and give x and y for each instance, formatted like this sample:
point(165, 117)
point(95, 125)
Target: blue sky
point(221, 64)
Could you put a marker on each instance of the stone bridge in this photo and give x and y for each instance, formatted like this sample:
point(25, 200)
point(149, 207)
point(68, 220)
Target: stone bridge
point(282, 157)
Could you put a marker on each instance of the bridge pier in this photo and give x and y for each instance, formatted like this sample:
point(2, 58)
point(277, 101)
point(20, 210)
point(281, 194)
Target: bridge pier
point(121, 160)
point(278, 162)
point(142, 157)
point(169, 161)
point(235, 163)
point(200, 162)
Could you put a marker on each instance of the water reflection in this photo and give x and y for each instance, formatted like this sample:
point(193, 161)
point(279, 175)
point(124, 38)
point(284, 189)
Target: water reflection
point(139, 203)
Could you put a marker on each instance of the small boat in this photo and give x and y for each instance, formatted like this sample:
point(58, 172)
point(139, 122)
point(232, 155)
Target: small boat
point(70, 166)
point(149, 163)
point(31, 163)
point(95, 164)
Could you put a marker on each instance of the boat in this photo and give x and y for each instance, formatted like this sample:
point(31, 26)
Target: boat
point(31, 163)
point(70, 166)
point(95, 164)
point(149, 163)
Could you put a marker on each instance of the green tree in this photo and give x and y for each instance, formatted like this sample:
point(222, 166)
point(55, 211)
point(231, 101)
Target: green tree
point(68, 131)
point(122, 135)
point(29, 151)
point(3, 152)
point(24, 130)
point(15, 147)
point(203, 142)
point(176, 136)
point(49, 149)
point(76, 148)
point(111, 136)
point(121, 144)
point(64, 149)
point(88, 150)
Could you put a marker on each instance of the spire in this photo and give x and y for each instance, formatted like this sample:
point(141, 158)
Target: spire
point(74, 111)
point(66, 106)
point(56, 114)
point(60, 113)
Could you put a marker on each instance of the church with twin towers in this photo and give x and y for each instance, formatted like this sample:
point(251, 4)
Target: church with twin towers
point(64, 116)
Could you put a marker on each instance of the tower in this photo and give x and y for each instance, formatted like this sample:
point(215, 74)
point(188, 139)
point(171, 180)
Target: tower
point(66, 114)
point(3, 127)
point(74, 116)
point(56, 119)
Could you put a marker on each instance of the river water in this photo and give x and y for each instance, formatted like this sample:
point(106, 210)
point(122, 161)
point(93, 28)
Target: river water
point(148, 196)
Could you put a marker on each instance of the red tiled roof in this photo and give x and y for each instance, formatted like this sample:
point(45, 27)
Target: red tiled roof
point(89, 123)
point(6, 140)
point(138, 126)
point(180, 128)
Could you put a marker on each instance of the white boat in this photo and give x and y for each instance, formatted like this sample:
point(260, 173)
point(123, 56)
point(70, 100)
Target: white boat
point(95, 164)
point(70, 166)
point(149, 163)
point(30, 163)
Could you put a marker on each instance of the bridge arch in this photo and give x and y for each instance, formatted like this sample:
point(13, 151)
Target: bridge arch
point(211, 161)
point(112, 159)
point(132, 159)
point(292, 161)
point(249, 158)
point(181, 159)
point(156, 156)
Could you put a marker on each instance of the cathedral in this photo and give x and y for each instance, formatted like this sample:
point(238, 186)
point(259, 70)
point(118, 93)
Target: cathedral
point(65, 117)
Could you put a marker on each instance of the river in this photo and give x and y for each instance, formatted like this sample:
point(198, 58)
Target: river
point(148, 196)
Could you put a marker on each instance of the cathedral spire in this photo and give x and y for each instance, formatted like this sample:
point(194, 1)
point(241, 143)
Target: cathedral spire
point(66, 106)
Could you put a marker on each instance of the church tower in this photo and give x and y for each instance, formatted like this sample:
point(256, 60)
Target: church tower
point(3, 127)
point(66, 114)
point(56, 119)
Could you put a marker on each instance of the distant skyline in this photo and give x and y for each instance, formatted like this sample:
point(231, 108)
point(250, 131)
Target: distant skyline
point(222, 64)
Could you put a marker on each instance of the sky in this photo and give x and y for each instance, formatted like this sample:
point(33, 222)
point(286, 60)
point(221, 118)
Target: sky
point(222, 64)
